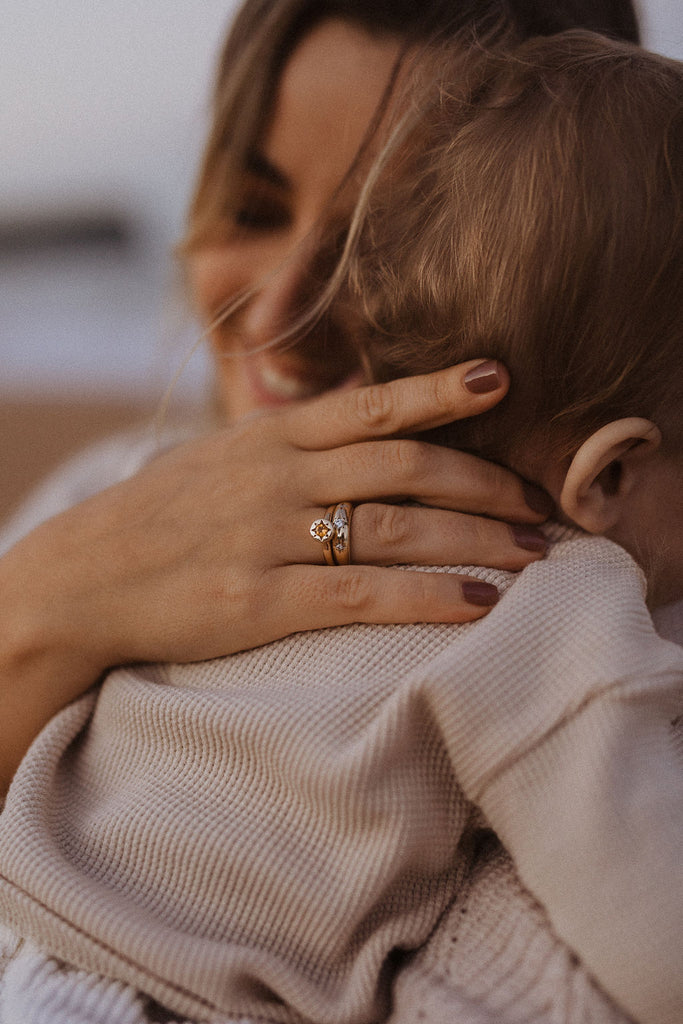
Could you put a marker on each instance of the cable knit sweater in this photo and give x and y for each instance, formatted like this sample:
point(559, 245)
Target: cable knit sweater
point(265, 834)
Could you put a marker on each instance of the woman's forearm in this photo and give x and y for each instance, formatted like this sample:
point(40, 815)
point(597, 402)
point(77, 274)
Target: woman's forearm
point(43, 666)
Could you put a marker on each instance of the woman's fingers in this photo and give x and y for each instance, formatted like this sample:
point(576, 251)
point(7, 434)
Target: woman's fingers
point(405, 405)
point(391, 534)
point(301, 597)
point(430, 474)
point(386, 534)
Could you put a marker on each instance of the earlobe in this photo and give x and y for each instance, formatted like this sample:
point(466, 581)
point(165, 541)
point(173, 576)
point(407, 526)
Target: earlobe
point(604, 472)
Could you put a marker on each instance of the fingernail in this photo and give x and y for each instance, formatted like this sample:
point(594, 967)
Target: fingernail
point(477, 592)
point(537, 499)
point(483, 378)
point(528, 537)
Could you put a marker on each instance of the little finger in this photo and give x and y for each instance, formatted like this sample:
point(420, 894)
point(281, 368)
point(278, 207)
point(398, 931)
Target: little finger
point(307, 597)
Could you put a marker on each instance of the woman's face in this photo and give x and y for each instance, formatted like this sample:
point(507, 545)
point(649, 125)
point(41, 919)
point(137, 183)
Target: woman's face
point(325, 101)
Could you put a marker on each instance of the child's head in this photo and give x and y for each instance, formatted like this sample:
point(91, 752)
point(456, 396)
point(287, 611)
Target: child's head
point(533, 213)
point(264, 34)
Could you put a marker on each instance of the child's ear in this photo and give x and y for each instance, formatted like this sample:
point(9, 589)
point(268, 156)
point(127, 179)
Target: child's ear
point(605, 471)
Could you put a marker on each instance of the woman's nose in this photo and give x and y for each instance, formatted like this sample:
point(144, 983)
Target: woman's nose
point(279, 301)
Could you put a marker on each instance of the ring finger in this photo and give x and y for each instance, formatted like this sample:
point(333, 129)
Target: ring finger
point(386, 534)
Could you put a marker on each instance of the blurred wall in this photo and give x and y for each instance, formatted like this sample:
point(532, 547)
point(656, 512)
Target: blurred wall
point(105, 102)
point(102, 116)
point(662, 25)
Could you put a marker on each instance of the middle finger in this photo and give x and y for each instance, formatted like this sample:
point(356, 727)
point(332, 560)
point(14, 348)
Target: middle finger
point(430, 474)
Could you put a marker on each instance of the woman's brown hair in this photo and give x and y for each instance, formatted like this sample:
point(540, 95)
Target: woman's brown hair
point(532, 212)
point(265, 32)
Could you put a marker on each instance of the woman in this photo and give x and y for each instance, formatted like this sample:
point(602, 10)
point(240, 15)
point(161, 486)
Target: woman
point(141, 573)
point(206, 551)
point(315, 768)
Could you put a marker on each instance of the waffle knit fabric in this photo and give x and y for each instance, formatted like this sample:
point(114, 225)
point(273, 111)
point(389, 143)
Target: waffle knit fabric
point(493, 959)
point(259, 835)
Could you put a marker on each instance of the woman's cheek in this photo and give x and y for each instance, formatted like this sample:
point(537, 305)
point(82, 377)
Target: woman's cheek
point(215, 278)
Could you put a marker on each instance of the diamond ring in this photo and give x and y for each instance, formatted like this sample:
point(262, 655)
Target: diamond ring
point(341, 545)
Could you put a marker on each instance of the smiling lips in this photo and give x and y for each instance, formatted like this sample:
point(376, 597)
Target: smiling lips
point(276, 381)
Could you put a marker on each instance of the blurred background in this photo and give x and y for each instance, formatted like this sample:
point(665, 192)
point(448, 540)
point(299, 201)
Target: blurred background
point(102, 114)
point(103, 109)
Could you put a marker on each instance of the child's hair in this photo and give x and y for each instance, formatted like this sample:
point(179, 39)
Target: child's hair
point(265, 32)
point(531, 212)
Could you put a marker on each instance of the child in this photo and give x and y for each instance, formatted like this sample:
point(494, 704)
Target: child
point(532, 207)
point(271, 833)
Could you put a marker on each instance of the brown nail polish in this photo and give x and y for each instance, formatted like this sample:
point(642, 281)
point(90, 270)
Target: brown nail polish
point(528, 537)
point(483, 378)
point(485, 595)
point(537, 499)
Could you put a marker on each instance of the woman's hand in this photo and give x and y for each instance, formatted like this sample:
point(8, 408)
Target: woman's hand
point(207, 550)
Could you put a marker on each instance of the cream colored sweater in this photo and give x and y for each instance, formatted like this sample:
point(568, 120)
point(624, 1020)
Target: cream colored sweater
point(259, 835)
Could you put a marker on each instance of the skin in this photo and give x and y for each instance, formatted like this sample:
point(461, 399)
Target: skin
point(289, 191)
point(622, 483)
point(182, 561)
point(185, 560)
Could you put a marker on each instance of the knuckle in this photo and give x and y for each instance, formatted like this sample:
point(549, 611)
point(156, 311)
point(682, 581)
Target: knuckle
point(390, 525)
point(241, 596)
point(437, 392)
point(409, 459)
point(351, 590)
point(427, 593)
point(373, 406)
point(427, 588)
point(499, 478)
point(481, 533)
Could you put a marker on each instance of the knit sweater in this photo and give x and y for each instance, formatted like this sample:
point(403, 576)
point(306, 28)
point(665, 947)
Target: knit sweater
point(260, 834)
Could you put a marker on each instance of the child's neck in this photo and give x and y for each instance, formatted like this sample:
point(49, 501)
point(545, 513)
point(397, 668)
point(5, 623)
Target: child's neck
point(650, 524)
point(652, 530)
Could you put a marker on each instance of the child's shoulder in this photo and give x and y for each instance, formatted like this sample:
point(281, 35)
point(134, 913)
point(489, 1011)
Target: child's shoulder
point(574, 554)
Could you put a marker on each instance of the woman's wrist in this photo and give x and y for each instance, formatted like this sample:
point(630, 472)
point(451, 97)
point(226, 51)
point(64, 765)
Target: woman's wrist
point(43, 664)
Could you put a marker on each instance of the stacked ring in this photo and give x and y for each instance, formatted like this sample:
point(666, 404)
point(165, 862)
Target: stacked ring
point(333, 531)
point(341, 545)
point(322, 530)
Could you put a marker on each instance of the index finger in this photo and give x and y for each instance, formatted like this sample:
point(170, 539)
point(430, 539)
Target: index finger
point(405, 404)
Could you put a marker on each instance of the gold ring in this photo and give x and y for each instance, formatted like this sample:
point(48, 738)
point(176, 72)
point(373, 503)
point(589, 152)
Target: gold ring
point(333, 531)
point(322, 530)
